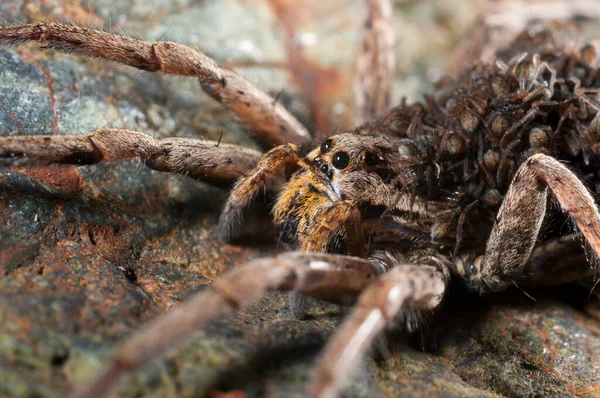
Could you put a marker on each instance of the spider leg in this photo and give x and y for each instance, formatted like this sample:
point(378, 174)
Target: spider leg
point(248, 186)
point(374, 65)
point(547, 89)
point(330, 277)
point(208, 161)
point(523, 122)
point(558, 261)
point(267, 120)
point(520, 217)
point(406, 287)
point(341, 216)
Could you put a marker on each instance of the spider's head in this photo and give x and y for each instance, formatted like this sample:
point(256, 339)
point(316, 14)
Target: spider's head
point(355, 164)
point(478, 276)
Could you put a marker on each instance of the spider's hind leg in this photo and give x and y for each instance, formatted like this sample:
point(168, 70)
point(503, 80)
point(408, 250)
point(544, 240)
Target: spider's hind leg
point(560, 260)
point(520, 218)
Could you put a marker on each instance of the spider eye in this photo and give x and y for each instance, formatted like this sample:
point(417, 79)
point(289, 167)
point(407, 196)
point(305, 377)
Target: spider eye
point(326, 145)
point(369, 159)
point(340, 160)
point(469, 270)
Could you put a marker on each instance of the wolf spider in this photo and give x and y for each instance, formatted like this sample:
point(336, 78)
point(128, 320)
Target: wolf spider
point(379, 218)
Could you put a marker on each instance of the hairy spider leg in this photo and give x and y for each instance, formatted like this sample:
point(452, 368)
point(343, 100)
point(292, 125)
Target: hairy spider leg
point(247, 187)
point(342, 216)
point(209, 161)
point(331, 277)
point(266, 120)
point(558, 261)
point(406, 287)
point(520, 217)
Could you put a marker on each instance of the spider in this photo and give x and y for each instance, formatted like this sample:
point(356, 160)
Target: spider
point(379, 218)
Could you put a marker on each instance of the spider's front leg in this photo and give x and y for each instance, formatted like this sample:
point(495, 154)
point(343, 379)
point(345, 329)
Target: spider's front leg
point(267, 120)
point(335, 278)
point(257, 179)
point(208, 161)
point(520, 218)
point(406, 287)
point(342, 216)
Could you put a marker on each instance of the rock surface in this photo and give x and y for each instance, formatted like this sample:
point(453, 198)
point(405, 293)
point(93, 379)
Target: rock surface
point(88, 254)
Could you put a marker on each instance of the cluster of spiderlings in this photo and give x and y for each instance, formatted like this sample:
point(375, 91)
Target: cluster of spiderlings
point(540, 95)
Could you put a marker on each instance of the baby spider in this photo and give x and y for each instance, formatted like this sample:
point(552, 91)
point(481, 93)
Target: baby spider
point(381, 217)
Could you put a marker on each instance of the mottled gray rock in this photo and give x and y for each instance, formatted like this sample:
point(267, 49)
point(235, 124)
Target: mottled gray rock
point(88, 254)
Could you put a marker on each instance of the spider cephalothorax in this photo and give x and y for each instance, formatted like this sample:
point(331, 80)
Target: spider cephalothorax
point(364, 170)
point(382, 216)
